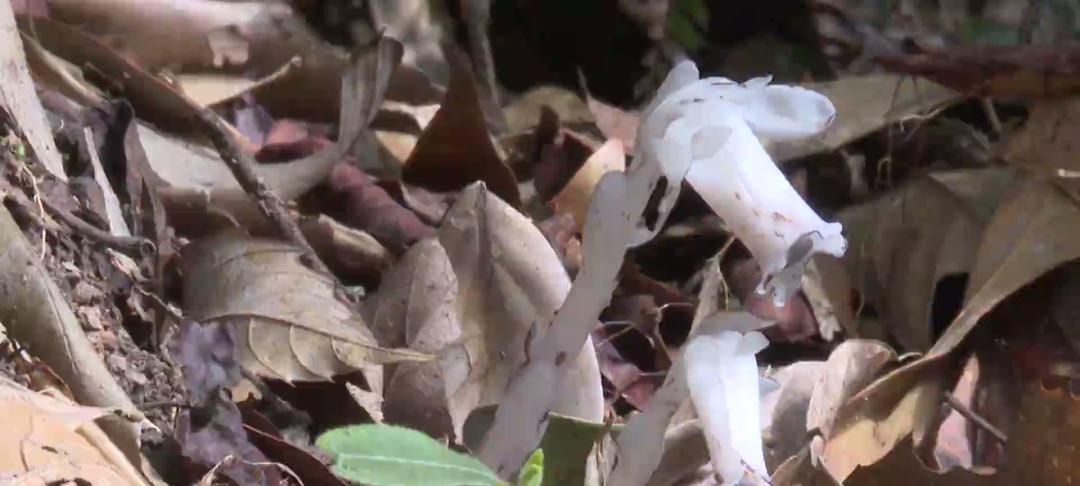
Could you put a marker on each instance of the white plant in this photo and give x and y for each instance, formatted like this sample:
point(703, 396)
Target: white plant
point(720, 126)
point(722, 376)
point(717, 130)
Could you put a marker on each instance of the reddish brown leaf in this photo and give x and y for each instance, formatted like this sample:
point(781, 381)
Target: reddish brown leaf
point(369, 208)
point(456, 149)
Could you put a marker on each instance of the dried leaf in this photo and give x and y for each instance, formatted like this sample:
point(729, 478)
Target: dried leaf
point(865, 104)
point(416, 305)
point(1043, 144)
point(524, 112)
point(615, 123)
point(1032, 233)
point(456, 148)
point(53, 440)
point(369, 208)
point(288, 323)
point(576, 194)
point(904, 244)
point(851, 366)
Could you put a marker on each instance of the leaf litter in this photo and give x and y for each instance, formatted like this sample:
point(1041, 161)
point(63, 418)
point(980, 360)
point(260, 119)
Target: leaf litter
point(277, 222)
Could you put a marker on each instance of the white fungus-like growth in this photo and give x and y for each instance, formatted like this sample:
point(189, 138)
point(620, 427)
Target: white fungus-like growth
point(714, 127)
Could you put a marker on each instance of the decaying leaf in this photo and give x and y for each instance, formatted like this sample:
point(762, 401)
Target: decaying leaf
point(473, 296)
point(456, 148)
point(904, 244)
point(51, 440)
point(1032, 232)
point(288, 323)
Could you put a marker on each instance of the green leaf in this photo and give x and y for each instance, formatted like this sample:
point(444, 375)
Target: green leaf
point(567, 443)
point(533, 472)
point(384, 455)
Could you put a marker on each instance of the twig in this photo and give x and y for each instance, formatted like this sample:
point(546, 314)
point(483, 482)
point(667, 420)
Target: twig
point(242, 166)
point(126, 244)
point(991, 115)
point(975, 418)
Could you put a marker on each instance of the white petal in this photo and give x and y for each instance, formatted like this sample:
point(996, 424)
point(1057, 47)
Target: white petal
point(722, 376)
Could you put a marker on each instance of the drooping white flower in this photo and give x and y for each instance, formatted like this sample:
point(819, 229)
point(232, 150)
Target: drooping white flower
point(722, 376)
point(714, 128)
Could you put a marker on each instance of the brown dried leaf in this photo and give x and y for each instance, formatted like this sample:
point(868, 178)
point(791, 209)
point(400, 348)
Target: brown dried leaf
point(505, 278)
point(1033, 232)
point(417, 306)
point(286, 318)
point(1045, 142)
point(851, 366)
point(369, 208)
point(456, 148)
point(904, 244)
point(52, 440)
point(509, 279)
point(865, 104)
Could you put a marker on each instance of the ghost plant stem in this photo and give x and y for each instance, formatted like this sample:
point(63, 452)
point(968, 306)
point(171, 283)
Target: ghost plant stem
point(707, 132)
point(521, 418)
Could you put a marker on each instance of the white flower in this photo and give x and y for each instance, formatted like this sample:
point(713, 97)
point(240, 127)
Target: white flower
point(714, 128)
point(722, 375)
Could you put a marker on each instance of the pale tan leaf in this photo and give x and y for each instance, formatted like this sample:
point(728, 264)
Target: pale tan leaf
point(286, 316)
point(577, 193)
point(865, 104)
point(51, 439)
point(509, 280)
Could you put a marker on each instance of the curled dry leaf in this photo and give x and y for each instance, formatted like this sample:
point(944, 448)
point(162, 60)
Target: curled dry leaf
point(784, 410)
point(474, 295)
point(287, 321)
point(906, 243)
point(52, 440)
point(1033, 232)
point(456, 148)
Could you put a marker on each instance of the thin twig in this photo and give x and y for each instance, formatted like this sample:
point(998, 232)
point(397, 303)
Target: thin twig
point(141, 246)
point(991, 114)
point(975, 418)
point(242, 166)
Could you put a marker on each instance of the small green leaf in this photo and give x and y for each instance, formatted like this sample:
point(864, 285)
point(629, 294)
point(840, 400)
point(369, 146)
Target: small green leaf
point(383, 455)
point(533, 472)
